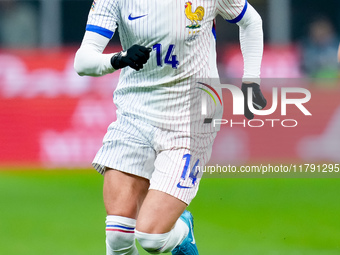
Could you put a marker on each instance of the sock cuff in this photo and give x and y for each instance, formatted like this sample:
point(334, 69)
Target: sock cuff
point(120, 220)
point(120, 235)
point(152, 236)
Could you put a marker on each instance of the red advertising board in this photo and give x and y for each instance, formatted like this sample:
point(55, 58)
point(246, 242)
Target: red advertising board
point(51, 117)
point(278, 138)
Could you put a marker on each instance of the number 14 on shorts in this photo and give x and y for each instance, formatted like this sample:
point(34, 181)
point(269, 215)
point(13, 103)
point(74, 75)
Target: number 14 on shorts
point(191, 175)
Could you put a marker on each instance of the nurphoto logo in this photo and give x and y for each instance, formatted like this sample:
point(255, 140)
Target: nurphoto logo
point(238, 106)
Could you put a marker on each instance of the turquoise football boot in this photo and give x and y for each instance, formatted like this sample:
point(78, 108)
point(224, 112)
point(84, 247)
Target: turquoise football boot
point(188, 246)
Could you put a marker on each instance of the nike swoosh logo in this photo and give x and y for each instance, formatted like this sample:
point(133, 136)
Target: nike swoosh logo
point(182, 187)
point(137, 17)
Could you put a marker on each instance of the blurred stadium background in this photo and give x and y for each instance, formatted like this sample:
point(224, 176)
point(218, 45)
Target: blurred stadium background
point(52, 121)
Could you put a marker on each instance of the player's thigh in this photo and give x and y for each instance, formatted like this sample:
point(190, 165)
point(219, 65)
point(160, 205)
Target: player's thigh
point(159, 212)
point(175, 180)
point(169, 193)
point(124, 193)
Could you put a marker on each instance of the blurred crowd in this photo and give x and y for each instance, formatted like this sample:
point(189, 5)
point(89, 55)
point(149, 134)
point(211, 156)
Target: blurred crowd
point(20, 25)
point(319, 50)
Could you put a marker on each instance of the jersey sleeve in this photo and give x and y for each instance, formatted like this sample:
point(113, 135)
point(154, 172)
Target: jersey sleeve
point(232, 10)
point(103, 17)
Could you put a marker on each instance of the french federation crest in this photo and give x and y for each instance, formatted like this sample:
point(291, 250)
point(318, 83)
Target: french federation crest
point(195, 17)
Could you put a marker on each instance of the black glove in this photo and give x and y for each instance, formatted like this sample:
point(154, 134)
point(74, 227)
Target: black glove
point(259, 102)
point(135, 57)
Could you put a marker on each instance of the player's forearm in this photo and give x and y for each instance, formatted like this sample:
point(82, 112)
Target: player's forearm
point(251, 39)
point(90, 60)
point(90, 63)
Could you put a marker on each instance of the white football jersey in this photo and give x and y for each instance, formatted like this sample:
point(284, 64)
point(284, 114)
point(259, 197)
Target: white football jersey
point(182, 35)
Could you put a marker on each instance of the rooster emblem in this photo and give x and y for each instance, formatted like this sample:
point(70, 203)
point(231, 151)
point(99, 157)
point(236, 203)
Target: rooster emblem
point(194, 17)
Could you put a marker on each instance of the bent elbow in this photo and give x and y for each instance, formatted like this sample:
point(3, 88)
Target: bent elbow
point(78, 64)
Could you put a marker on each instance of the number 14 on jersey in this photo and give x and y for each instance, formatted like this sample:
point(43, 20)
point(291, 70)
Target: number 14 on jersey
point(169, 59)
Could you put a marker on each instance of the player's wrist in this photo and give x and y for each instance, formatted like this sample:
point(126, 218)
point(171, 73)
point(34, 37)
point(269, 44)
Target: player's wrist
point(135, 57)
point(248, 80)
point(258, 100)
point(116, 60)
point(253, 85)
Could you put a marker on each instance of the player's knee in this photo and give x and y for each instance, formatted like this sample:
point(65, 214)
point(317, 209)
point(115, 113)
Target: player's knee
point(152, 243)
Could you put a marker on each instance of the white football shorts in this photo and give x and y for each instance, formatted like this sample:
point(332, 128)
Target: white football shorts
point(169, 159)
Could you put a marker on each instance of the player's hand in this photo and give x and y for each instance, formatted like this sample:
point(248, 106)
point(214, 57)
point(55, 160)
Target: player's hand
point(135, 57)
point(259, 102)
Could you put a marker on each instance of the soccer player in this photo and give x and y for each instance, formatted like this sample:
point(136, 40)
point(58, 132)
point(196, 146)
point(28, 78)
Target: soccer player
point(151, 152)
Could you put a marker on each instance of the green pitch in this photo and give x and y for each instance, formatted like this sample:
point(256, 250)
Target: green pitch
point(61, 213)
